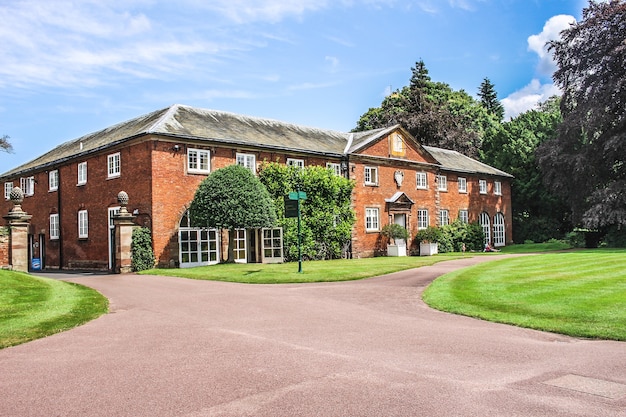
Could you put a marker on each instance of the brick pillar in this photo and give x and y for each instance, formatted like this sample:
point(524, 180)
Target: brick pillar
point(124, 224)
point(19, 222)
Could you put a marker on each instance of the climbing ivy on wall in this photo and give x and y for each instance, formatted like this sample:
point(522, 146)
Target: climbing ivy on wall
point(327, 217)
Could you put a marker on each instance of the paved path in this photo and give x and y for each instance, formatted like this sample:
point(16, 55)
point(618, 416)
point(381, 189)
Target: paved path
point(177, 347)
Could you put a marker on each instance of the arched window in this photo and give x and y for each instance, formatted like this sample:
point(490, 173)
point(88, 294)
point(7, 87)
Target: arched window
point(486, 224)
point(196, 245)
point(499, 238)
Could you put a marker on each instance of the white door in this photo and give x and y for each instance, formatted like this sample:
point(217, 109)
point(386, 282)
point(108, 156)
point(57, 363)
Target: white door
point(113, 211)
point(401, 220)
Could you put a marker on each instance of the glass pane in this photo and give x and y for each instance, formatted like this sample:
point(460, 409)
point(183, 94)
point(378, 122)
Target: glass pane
point(267, 253)
point(194, 257)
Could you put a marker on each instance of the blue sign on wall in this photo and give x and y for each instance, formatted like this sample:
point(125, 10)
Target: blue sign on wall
point(35, 264)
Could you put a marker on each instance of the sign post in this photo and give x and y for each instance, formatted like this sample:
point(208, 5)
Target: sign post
point(292, 209)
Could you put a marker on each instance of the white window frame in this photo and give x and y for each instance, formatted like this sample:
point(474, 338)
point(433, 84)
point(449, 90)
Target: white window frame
point(114, 165)
point(53, 180)
point(462, 183)
point(8, 187)
point(497, 188)
point(482, 186)
point(27, 184)
point(335, 167)
point(371, 175)
point(444, 217)
point(247, 160)
point(54, 226)
point(241, 246)
point(372, 219)
point(198, 161)
point(294, 162)
point(499, 231)
point(422, 180)
point(82, 173)
point(485, 222)
point(442, 183)
point(422, 219)
point(83, 224)
point(272, 245)
point(464, 216)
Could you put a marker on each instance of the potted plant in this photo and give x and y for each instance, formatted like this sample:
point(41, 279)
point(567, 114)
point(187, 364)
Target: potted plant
point(395, 232)
point(428, 239)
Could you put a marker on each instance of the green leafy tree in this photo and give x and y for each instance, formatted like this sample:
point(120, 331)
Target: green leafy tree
point(433, 112)
point(538, 214)
point(326, 214)
point(142, 256)
point(5, 145)
point(489, 99)
point(585, 163)
point(232, 198)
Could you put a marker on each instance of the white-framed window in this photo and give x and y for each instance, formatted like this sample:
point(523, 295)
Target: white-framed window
point(114, 166)
point(422, 180)
point(497, 188)
point(241, 250)
point(298, 163)
point(27, 185)
point(371, 176)
point(54, 226)
point(335, 167)
point(486, 224)
point(83, 224)
point(272, 245)
point(498, 230)
point(53, 180)
point(422, 219)
point(482, 186)
point(444, 217)
point(82, 173)
point(198, 161)
point(464, 216)
point(462, 182)
point(247, 160)
point(371, 219)
point(442, 183)
point(8, 187)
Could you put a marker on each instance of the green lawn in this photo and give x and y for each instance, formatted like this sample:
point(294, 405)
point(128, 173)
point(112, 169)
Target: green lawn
point(580, 293)
point(536, 247)
point(312, 271)
point(32, 307)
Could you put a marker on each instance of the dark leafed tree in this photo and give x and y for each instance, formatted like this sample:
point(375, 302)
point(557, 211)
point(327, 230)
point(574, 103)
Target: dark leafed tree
point(538, 214)
point(489, 99)
point(232, 198)
point(585, 163)
point(5, 145)
point(433, 112)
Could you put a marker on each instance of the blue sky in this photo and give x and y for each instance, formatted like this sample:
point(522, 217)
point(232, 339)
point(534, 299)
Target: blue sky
point(68, 68)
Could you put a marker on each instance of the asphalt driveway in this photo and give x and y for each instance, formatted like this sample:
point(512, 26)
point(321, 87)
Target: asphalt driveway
point(177, 347)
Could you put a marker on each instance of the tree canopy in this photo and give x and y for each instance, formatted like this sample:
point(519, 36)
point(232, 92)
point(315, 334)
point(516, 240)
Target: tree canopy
point(489, 99)
point(538, 214)
point(433, 112)
point(585, 163)
point(232, 198)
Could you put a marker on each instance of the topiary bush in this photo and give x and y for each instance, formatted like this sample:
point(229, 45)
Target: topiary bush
point(142, 256)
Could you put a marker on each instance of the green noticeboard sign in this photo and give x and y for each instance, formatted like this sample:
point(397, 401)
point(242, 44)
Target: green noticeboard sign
point(291, 208)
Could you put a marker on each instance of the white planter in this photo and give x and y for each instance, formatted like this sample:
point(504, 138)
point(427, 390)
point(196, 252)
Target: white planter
point(427, 249)
point(396, 250)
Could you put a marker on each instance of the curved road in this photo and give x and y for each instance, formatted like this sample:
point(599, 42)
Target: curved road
point(177, 347)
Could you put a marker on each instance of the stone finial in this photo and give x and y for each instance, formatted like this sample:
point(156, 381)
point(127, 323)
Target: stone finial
point(122, 198)
point(17, 198)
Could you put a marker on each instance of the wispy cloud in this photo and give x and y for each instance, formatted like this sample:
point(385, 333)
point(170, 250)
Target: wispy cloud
point(539, 43)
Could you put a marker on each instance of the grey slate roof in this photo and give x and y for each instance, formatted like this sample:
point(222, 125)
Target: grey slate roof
point(184, 122)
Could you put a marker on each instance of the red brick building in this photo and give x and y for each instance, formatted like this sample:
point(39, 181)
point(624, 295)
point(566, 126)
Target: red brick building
point(160, 158)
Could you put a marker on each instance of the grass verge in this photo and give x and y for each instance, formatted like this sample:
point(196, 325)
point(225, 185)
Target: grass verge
point(536, 247)
point(580, 293)
point(312, 271)
point(32, 307)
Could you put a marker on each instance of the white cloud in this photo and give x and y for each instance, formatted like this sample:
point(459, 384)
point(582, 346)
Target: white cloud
point(539, 43)
point(536, 92)
point(528, 97)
